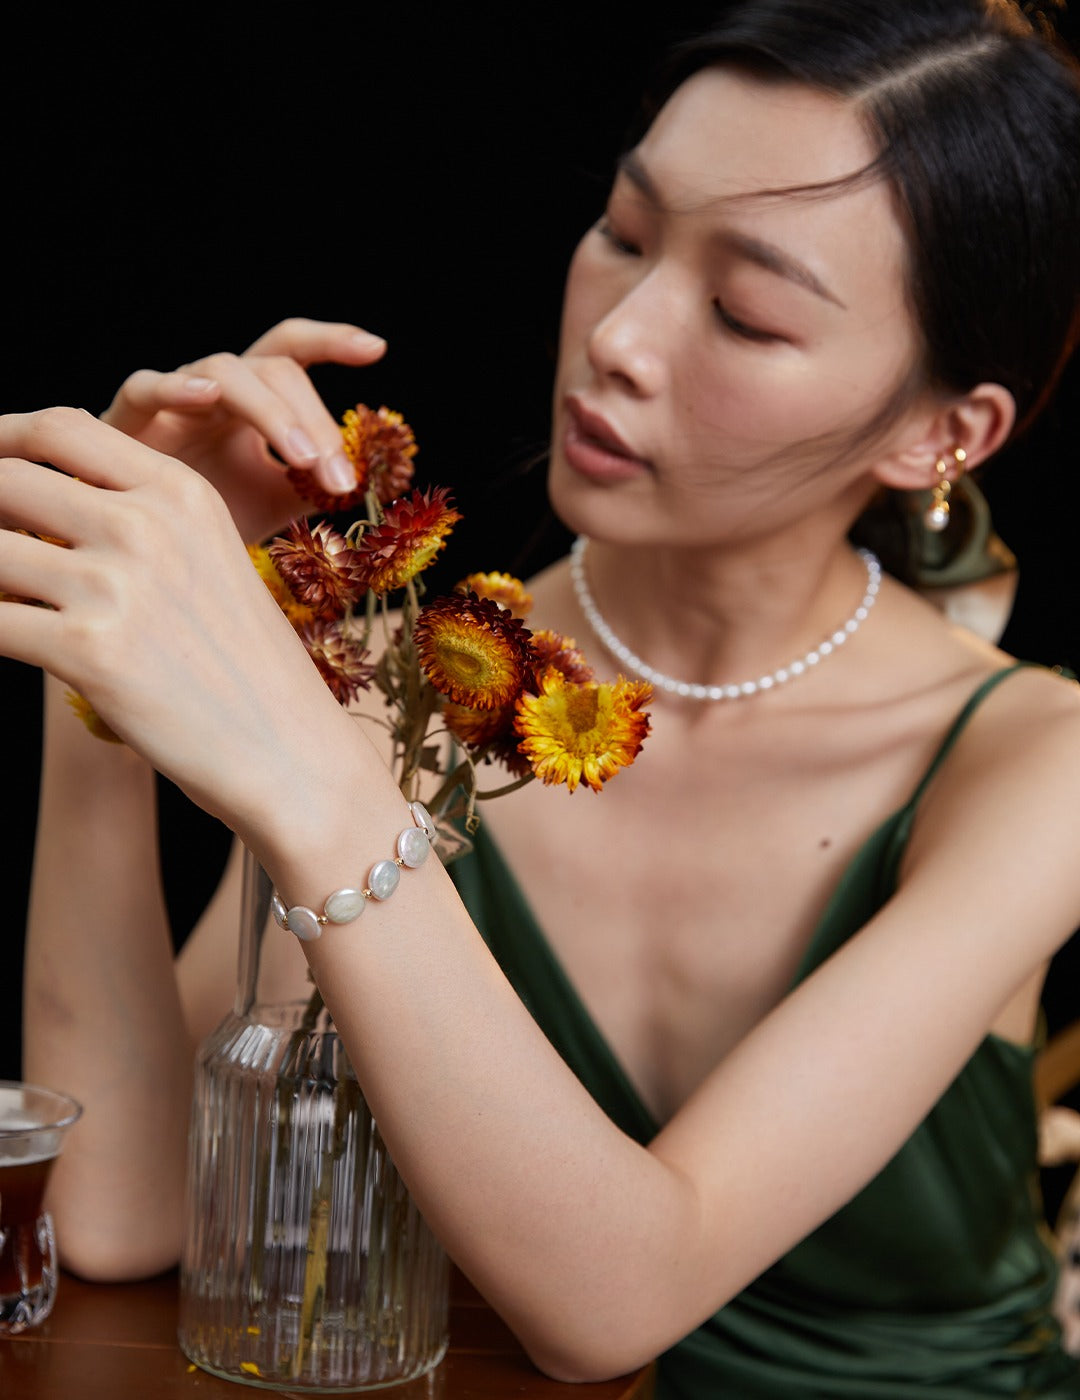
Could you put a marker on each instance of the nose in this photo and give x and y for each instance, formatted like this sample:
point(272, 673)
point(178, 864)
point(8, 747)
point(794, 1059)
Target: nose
point(629, 341)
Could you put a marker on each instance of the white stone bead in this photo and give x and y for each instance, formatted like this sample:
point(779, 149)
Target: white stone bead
point(344, 905)
point(413, 846)
point(279, 911)
point(383, 879)
point(304, 922)
point(422, 818)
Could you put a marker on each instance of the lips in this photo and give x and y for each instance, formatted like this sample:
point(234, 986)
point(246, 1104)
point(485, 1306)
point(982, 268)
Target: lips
point(594, 448)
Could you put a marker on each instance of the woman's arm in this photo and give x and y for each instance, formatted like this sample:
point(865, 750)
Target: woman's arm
point(599, 1252)
point(107, 1016)
point(102, 1017)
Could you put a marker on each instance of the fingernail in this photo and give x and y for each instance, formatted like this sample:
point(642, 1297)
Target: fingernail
point(196, 384)
point(366, 341)
point(298, 444)
point(338, 473)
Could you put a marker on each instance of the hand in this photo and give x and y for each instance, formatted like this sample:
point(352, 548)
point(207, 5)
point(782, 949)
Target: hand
point(157, 616)
point(222, 415)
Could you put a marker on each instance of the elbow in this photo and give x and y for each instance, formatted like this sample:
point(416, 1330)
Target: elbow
point(580, 1356)
point(104, 1248)
point(113, 1261)
point(582, 1368)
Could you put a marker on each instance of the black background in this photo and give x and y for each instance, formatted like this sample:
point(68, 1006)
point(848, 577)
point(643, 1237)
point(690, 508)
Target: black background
point(423, 170)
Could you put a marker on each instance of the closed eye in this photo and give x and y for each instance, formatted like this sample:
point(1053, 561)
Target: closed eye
point(621, 245)
point(741, 329)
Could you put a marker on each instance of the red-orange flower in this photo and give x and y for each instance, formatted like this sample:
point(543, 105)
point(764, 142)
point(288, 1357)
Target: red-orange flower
point(412, 533)
point(582, 733)
point(380, 445)
point(296, 612)
point(553, 649)
point(341, 662)
point(472, 651)
point(319, 567)
point(504, 589)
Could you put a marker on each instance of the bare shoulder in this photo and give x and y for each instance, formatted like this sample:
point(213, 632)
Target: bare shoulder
point(1002, 816)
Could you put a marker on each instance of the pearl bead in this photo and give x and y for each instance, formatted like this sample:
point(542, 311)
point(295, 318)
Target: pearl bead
point(344, 905)
point(304, 922)
point(383, 879)
point(413, 846)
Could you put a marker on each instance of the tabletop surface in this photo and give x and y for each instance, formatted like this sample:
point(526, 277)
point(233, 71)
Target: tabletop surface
point(113, 1341)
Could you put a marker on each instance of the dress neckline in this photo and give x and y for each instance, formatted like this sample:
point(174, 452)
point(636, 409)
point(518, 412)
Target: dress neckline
point(891, 832)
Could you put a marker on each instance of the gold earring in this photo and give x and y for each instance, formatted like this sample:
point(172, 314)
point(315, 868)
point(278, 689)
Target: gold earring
point(936, 517)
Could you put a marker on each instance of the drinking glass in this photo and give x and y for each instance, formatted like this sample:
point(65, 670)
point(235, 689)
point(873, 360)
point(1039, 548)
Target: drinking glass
point(33, 1122)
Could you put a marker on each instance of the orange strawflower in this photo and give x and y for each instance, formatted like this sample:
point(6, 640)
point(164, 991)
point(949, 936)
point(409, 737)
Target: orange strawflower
point(380, 445)
point(319, 567)
point(504, 589)
point(341, 662)
point(472, 651)
point(411, 534)
point(582, 733)
point(296, 612)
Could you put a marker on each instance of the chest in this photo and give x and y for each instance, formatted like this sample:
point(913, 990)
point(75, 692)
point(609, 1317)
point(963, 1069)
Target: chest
point(681, 900)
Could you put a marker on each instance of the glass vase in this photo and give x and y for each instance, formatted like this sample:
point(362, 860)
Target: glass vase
point(306, 1265)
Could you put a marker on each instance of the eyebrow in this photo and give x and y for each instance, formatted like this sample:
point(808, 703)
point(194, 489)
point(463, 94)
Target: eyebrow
point(755, 250)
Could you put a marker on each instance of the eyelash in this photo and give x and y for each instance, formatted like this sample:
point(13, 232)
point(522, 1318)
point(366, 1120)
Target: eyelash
point(742, 330)
point(620, 245)
point(729, 322)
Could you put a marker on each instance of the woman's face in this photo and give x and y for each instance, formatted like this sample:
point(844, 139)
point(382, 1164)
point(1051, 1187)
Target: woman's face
point(721, 349)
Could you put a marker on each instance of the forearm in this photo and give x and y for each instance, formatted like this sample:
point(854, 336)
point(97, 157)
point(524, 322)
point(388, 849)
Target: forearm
point(102, 1016)
point(531, 1187)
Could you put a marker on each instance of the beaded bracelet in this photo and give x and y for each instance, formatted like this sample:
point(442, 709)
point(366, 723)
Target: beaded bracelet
point(347, 904)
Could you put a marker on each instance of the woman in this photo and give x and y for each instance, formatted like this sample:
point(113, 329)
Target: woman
point(804, 941)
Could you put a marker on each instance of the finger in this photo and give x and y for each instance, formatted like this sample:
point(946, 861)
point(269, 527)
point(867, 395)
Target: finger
point(320, 342)
point(81, 445)
point(275, 397)
point(329, 464)
point(28, 573)
point(147, 392)
point(47, 502)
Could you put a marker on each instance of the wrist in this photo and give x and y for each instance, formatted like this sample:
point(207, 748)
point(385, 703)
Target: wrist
point(320, 824)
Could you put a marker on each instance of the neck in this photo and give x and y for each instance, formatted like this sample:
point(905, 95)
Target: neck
point(723, 625)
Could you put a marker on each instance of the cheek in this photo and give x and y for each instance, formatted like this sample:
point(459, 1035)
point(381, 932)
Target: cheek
point(593, 287)
point(772, 398)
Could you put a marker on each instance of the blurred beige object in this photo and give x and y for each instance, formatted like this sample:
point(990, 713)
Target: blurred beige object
point(1057, 1070)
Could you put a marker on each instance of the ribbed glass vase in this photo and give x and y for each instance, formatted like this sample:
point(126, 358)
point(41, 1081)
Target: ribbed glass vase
point(306, 1265)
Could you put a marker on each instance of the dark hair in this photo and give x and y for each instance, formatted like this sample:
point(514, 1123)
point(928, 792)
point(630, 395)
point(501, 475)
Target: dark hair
point(976, 112)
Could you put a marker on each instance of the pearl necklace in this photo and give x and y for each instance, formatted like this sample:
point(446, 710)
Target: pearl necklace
point(684, 689)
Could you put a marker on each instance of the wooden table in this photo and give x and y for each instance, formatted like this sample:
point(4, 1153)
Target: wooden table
point(118, 1342)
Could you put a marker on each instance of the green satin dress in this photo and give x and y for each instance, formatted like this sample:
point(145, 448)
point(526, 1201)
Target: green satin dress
point(935, 1281)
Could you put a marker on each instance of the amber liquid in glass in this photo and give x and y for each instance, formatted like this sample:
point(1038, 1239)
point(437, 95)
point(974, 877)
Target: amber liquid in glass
point(22, 1186)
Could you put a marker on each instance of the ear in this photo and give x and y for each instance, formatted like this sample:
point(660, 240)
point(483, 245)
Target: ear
point(979, 422)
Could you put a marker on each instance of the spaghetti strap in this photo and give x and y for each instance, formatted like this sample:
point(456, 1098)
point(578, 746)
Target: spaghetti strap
point(959, 724)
